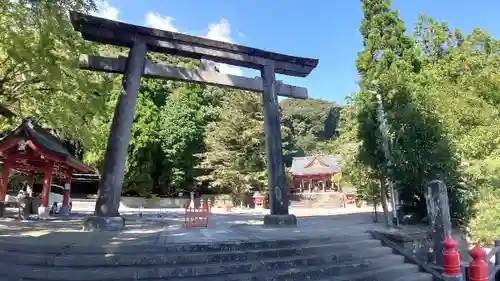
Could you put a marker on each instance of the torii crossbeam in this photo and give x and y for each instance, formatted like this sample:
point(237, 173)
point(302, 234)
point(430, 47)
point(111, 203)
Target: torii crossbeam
point(140, 40)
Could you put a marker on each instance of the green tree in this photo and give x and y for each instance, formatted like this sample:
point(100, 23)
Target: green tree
point(385, 49)
point(421, 149)
point(235, 146)
point(461, 82)
point(39, 75)
point(309, 123)
point(182, 128)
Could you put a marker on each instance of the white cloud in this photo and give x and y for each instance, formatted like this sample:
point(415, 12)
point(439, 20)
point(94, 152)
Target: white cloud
point(221, 31)
point(157, 21)
point(104, 10)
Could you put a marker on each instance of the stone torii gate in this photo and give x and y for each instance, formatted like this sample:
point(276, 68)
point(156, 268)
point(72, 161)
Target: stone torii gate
point(140, 40)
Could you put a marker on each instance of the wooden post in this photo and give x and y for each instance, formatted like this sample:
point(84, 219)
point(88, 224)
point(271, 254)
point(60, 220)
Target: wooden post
point(4, 183)
point(66, 209)
point(5, 180)
point(106, 216)
point(111, 182)
point(438, 211)
point(44, 209)
point(191, 201)
point(278, 201)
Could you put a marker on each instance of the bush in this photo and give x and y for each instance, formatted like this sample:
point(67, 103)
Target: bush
point(484, 228)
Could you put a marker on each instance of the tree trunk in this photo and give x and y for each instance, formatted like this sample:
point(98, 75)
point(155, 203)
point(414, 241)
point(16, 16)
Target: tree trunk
point(383, 201)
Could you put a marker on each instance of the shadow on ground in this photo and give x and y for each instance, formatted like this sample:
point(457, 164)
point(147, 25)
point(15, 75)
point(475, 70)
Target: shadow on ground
point(168, 228)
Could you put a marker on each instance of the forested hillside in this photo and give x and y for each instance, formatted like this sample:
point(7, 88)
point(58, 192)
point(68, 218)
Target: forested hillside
point(311, 123)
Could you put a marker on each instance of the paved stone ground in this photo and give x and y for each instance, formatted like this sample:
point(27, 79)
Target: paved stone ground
point(166, 227)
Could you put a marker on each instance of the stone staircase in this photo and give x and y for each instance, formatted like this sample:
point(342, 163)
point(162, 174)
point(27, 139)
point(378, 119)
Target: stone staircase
point(315, 200)
point(337, 258)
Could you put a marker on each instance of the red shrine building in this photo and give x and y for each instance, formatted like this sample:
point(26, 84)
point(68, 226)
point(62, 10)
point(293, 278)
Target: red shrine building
point(31, 150)
point(313, 174)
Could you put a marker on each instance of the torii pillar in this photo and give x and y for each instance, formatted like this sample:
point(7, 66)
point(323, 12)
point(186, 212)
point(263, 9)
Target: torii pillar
point(106, 215)
point(276, 179)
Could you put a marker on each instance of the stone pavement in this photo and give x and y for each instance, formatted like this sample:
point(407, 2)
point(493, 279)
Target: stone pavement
point(168, 228)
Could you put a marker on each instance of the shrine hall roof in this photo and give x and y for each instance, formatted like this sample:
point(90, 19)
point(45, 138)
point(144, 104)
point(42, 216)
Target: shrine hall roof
point(30, 130)
point(311, 165)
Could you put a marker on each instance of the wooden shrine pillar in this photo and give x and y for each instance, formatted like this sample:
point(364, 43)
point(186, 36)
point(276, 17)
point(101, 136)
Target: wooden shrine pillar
point(44, 209)
point(4, 183)
point(5, 180)
point(66, 209)
point(278, 195)
point(106, 215)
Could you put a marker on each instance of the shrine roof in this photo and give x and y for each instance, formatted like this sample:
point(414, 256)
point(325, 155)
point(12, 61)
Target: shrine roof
point(47, 144)
point(313, 165)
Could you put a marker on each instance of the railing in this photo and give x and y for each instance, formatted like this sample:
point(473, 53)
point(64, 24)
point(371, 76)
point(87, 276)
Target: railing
point(477, 270)
point(437, 276)
point(196, 217)
point(494, 252)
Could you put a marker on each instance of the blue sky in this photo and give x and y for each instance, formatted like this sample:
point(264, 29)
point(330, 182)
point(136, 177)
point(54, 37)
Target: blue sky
point(323, 29)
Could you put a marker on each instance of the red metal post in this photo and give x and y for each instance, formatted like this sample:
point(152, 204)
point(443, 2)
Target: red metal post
point(5, 179)
point(47, 182)
point(478, 269)
point(451, 259)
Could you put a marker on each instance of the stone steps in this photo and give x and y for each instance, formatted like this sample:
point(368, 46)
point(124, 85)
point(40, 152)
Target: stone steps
point(181, 248)
point(342, 258)
point(337, 251)
point(419, 276)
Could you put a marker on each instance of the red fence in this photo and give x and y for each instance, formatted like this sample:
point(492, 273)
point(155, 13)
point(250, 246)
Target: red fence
point(478, 268)
point(197, 217)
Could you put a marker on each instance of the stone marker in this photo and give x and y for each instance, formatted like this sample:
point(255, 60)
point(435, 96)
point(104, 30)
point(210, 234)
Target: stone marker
point(438, 212)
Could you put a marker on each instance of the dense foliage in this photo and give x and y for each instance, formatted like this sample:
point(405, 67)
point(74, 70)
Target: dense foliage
point(311, 122)
point(440, 91)
point(39, 75)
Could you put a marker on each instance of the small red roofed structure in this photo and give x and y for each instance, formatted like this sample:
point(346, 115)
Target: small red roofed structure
point(32, 150)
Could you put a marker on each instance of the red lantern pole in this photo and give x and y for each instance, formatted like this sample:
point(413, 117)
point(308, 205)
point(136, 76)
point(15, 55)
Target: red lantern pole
point(451, 260)
point(478, 269)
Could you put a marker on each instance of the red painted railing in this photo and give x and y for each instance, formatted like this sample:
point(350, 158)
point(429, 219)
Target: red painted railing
point(197, 217)
point(477, 269)
point(451, 258)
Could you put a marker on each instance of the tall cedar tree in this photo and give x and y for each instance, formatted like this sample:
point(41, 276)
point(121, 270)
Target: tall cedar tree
point(420, 150)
